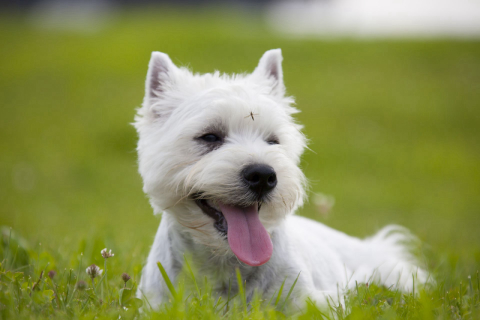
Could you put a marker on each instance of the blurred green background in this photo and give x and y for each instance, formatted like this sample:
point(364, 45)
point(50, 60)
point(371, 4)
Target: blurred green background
point(394, 126)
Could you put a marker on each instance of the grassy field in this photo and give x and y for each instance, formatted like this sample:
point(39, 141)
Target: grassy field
point(394, 129)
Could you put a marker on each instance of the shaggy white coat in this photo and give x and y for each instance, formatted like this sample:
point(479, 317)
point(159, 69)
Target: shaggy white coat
point(178, 108)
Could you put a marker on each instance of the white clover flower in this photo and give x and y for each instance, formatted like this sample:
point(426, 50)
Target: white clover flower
point(106, 254)
point(94, 271)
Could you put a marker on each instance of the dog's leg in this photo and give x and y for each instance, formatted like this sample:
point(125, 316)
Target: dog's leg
point(152, 286)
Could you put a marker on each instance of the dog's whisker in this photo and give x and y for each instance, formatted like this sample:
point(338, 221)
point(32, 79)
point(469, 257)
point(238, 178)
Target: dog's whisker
point(283, 200)
point(190, 227)
point(185, 163)
point(178, 201)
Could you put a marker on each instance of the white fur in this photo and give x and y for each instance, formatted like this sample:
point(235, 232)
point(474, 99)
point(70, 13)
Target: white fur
point(179, 107)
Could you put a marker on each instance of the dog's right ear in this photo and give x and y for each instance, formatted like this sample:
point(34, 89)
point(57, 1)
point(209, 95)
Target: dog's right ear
point(160, 77)
point(270, 68)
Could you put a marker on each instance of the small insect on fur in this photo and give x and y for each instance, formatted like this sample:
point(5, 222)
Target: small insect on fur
point(251, 114)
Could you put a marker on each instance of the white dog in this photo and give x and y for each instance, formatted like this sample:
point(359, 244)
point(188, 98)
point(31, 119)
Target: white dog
point(219, 158)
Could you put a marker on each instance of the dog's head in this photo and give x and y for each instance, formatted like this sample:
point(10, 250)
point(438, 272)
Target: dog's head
point(221, 153)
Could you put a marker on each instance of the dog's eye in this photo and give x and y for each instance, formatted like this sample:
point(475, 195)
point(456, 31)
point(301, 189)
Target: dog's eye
point(273, 141)
point(210, 137)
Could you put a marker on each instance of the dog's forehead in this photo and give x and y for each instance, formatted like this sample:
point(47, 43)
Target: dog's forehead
point(237, 107)
point(231, 104)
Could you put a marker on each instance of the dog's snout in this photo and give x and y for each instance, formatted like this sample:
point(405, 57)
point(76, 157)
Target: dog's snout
point(260, 178)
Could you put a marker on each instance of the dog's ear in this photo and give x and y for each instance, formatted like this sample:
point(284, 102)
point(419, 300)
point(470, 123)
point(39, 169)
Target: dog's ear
point(160, 76)
point(270, 68)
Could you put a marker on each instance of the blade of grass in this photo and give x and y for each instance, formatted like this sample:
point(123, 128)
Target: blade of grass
point(99, 282)
point(280, 292)
point(225, 304)
point(14, 257)
point(290, 291)
point(106, 278)
point(67, 286)
point(241, 290)
point(170, 286)
point(228, 295)
point(478, 281)
point(146, 299)
point(22, 267)
point(85, 304)
point(7, 252)
point(78, 277)
point(215, 306)
point(192, 275)
point(271, 298)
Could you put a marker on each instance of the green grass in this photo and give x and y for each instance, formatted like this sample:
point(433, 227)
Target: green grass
point(28, 290)
point(393, 129)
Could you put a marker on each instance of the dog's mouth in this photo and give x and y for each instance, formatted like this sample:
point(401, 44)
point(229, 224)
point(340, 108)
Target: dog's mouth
point(246, 235)
point(210, 209)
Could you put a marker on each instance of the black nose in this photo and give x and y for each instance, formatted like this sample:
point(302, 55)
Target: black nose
point(260, 178)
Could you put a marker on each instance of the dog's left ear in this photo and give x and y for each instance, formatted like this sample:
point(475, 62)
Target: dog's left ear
point(160, 76)
point(160, 79)
point(270, 68)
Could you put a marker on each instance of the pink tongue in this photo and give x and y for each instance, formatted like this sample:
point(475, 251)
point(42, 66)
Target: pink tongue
point(247, 237)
